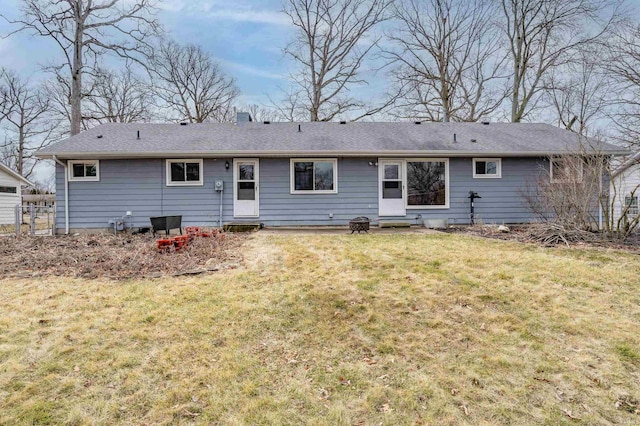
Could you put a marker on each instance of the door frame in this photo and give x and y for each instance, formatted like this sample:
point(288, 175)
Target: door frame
point(402, 178)
point(256, 179)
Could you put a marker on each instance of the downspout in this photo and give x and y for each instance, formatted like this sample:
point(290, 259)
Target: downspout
point(66, 194)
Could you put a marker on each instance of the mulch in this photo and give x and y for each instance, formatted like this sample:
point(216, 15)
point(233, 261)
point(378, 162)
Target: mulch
point(115, 257)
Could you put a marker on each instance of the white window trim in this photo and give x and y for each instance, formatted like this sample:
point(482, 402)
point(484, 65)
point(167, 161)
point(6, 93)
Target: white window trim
point(446, 183)
point(185, 183)
point(498, 174)
point(95, 178)
point(314, 160)
point(632, 210)
point(578, 179)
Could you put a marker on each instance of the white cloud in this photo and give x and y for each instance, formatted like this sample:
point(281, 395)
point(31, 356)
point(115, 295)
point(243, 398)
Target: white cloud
point(248, 15)
point(250, 70)
point(218, 11)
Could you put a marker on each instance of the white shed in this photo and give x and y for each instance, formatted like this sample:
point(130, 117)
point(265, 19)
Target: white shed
point(626, 188)
point(10, 193)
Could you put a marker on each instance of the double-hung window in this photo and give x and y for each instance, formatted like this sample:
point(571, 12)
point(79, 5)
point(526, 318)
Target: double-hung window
point(487, 168)
point(84, 170)
point(314, 176)
point(631, 206)
point(427, 183)
point(566, 169)
point(184, 172)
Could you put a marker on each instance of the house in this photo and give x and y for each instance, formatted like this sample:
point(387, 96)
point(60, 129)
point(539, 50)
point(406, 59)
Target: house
point(625, 188)
point(321, 173)
point(10, 194)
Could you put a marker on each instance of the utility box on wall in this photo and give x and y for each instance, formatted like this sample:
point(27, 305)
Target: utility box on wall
point(219, 185)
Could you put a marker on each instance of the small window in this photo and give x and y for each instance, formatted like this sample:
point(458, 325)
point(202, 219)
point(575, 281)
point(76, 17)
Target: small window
point(487, 168)
point(566, 169)
point(84, 171)
point(184, 172)
point(631, 205)
point(311, 176)
point(8, 189)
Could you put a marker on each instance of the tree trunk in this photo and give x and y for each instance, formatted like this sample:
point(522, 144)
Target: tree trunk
point(76, 81)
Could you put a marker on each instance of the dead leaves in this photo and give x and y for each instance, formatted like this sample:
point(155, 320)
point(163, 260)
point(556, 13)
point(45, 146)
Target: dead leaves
point(628, 404)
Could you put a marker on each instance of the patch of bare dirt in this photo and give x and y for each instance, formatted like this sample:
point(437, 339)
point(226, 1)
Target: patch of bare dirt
point(115, 257)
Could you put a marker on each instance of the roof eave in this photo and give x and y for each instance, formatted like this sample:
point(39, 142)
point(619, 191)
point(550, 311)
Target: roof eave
point(16, 175)
point(211, 154)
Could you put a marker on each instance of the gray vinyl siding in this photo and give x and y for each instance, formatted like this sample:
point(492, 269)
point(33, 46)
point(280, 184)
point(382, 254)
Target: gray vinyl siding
point(140, 186)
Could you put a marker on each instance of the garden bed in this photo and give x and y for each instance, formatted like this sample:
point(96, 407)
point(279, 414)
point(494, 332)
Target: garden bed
point(114, 257)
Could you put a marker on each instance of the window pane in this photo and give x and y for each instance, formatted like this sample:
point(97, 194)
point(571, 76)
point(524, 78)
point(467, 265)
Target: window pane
point(245, 172)
point(481, 167)
point(391, 189)
point(632, 204)
point(246, 191)
point(324, 176)
point(391, 171)
point(90, 170)
point(9, 189)
point(177, 172)
point(426, 183)
point(492, 168)
point(303, 176)
point(78, 170)
point(193, 172)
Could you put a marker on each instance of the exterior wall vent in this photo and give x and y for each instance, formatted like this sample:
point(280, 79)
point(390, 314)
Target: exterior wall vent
point(266, 122)
point(486, 123)
point(343, 122)
point(183, 123)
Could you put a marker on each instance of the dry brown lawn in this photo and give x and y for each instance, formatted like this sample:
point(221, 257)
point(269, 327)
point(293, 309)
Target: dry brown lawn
point(362, 329)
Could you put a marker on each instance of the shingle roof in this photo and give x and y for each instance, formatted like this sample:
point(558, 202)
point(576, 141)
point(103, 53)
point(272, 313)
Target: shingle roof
point(350, 139)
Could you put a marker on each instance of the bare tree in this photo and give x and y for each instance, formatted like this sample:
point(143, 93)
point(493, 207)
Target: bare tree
point(86, 29)
point(190, 84)
point(545, 34)
point(333, 39)
point(579, 93)
point(118, 97)
point(260, 113)
point(27, 123)
point(449, 64)
point(623, 64)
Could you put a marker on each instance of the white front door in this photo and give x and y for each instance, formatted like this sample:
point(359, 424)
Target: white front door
point(391, 188)
point(246, 188)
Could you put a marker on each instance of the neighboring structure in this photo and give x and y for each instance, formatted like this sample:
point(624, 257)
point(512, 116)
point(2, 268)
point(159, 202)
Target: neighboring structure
point(301, 174)
point(10, 194)
point(625, 187)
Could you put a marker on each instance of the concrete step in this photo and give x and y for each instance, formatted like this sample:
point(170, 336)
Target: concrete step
point(241, 226)
point(394, 224)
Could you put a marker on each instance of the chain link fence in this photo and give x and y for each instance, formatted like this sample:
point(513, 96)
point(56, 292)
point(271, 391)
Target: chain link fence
point(27, 219)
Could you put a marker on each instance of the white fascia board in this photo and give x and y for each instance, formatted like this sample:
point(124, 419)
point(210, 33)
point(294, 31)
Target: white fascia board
point(230, 154)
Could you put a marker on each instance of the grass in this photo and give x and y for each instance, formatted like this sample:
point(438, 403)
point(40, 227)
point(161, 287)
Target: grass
point(25, 228)
point(363, 329)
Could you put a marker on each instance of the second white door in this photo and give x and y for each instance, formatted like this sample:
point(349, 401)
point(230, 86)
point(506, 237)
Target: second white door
point(246, 188)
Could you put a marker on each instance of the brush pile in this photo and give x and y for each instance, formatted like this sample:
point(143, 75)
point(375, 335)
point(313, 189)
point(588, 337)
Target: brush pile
point(114, 257)
point(552, 234)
